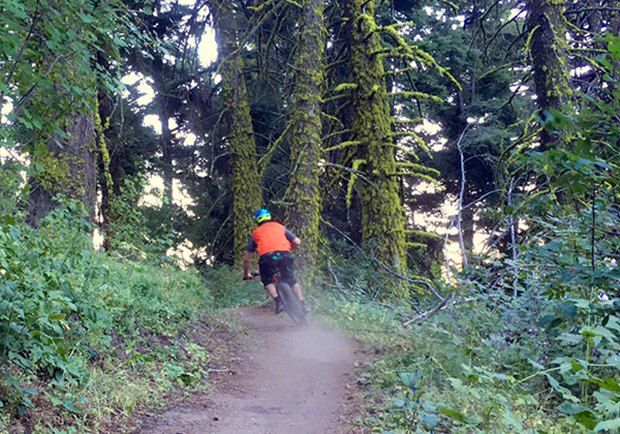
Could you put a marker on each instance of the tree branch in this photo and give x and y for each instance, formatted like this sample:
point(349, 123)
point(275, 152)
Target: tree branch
point(513, 238)
point(430, 313)
point(461, 194)
point(31, 91)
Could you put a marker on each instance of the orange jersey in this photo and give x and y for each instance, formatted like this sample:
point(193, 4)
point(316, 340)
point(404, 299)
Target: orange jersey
point(271, 237)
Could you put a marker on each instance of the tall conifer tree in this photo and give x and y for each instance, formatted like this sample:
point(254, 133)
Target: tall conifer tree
point(246, 184)
point(53, 85)
point(550, 64)
point(303, 193)
point(383, 219)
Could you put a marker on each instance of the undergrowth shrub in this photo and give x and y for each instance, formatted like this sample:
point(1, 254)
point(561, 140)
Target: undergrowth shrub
point(12, 189)
point(530, 342)
point(461, 371)
point(65, 308)
point(48, 307)
point(158, 298)
point(489, 363)
point(140, 230)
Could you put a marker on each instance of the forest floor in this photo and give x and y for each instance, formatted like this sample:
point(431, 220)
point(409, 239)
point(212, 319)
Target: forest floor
point(285, 380)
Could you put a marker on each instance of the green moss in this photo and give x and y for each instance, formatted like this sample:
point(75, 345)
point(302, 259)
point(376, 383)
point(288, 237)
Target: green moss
point(246, 181)
point(383, 219)
point(345, 86)
point(303, 193)
point(103, 148)
point(62, 174)
point(418, 95)
point(56, 170)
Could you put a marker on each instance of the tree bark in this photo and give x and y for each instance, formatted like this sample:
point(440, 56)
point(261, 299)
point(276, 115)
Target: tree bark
point(246, 183)
point(69, 168)
point(550, 64)
point(303, 192)
point(383, 218)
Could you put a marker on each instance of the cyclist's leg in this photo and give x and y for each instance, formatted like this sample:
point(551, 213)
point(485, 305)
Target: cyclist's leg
point(268, 268)
point(285, 265)
point(296, 288)
point(271, 289)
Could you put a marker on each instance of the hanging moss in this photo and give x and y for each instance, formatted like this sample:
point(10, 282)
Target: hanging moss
point(105, 153)
point(344, 145)
point(410, 52)
point(345, 86)
point(417, 95)
point(356, 165)
point(383, 219)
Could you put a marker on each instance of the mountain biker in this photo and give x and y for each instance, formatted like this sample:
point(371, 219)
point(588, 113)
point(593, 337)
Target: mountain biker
point(274, 243)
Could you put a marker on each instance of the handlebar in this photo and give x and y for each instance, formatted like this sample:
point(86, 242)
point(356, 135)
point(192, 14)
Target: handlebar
point(253, 274)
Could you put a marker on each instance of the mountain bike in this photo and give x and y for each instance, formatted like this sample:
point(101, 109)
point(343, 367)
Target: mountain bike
point(292, 305)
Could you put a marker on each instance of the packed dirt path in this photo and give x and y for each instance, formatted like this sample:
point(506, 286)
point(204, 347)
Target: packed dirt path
point(290, 381)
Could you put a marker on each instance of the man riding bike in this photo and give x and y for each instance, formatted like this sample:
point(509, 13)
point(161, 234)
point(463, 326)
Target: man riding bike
point(274, 244)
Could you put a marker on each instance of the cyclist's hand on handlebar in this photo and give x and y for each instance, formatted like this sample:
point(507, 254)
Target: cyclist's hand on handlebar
point(250, 276)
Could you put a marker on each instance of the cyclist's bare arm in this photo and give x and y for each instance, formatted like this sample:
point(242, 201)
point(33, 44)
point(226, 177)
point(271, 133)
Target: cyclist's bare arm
point(295, 243)
point(246, 265)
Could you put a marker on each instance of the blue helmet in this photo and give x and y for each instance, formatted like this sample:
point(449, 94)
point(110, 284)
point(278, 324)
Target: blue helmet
point(262, 215)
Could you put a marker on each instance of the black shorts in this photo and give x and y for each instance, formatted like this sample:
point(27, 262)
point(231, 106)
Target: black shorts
point(270, 263)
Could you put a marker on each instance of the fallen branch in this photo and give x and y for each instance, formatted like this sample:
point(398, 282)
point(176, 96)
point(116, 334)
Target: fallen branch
point(445, 248)
point(386, 268)
point(387, 306)
point(430, 313)
point(408, 279)
point(329, 265)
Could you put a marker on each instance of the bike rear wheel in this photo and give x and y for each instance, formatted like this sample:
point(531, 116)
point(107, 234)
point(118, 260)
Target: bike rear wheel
point(291, 303)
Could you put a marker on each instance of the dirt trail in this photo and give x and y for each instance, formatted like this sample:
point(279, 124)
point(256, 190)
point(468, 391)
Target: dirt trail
point(292, 381)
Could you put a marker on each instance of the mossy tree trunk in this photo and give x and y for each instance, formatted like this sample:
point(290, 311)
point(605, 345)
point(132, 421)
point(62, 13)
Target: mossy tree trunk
point(383, 218)
point(303, 193)
point(550, 64)
point(108, 189)
point(55, 85)
point(69, 168)
point(246, 182)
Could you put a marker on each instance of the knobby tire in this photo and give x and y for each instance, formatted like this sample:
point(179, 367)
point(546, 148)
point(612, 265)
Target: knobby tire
point(292, 306)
